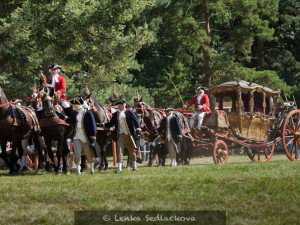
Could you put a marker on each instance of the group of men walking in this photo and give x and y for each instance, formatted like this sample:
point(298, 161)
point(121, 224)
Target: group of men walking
point(127, 127)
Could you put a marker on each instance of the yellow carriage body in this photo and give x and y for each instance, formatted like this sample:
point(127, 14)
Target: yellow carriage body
point(252, 109)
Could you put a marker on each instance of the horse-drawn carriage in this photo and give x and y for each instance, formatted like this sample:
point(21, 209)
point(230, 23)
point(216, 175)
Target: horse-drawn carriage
point(253, 118)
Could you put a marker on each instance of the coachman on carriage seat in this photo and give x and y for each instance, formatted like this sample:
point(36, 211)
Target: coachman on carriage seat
point(201, 103)
point(59, 84)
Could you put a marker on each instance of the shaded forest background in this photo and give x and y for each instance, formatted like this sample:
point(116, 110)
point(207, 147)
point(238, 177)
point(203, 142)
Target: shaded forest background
point(145, 45)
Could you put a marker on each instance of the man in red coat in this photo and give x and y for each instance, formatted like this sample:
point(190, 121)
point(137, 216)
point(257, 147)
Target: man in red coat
point(201, 103)
point(59, 84)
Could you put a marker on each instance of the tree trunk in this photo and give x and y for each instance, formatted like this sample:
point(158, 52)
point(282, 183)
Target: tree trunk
point(206, 47)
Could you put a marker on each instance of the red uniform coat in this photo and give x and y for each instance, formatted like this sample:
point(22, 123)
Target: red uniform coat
point(60, 86)
point(204, 102)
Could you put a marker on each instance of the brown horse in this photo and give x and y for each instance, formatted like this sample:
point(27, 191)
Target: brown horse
point(17, 123)
point(102, 114)
point(53, 128)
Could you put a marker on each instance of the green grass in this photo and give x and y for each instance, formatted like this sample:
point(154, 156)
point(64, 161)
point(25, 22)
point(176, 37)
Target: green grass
point(250, 193)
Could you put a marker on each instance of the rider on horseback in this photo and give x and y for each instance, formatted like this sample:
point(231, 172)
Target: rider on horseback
point(201, 102)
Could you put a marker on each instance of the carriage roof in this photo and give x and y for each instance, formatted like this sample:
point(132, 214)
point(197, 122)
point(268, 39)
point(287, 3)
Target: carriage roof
point(243, 85)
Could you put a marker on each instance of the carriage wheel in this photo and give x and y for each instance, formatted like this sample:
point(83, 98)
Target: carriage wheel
point(291, 135)
point(261, 154)
point(220, 153)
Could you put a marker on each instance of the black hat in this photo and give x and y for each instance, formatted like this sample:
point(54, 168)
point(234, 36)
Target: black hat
point(119, 101)
point(200, 88)
point(54, 66)
point(169, 109)
point(76, 101)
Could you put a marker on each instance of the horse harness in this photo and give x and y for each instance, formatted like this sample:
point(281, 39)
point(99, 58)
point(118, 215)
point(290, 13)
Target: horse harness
point(20, 117)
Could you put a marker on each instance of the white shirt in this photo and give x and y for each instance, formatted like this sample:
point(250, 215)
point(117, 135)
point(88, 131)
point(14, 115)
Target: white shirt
point(168, 127)
point(54, 79)
point(79, 134)
point(122, 125)
point(199, 98)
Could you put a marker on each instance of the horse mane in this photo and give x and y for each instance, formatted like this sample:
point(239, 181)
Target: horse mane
point(96, 100)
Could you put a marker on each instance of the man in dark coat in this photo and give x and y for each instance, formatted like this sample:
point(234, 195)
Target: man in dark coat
point(84, 132)
point(172, 134)
point(128, 132)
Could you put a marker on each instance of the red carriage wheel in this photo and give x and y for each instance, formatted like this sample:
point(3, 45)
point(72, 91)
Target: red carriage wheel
point(291, 135)
point(261, 153)
point(220, 153)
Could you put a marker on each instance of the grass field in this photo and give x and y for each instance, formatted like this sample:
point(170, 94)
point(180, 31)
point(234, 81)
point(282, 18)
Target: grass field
point(250, 193)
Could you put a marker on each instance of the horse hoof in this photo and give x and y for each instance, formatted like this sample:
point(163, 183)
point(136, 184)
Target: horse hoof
point(106, 170)
point(39, 171)
point(101, 171)
point(68, 172)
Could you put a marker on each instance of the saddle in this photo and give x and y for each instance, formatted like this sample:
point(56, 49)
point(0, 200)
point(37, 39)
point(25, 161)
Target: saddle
point(23, 115)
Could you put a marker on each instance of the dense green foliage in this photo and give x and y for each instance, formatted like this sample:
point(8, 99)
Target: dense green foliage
point(144, 45)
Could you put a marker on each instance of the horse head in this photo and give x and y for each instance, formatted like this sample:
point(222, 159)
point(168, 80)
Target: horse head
point(147, 117)
point(47, 103)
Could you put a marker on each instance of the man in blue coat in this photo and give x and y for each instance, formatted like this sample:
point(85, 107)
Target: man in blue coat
point(172, 134)
point(128, 132)
point(84, 132)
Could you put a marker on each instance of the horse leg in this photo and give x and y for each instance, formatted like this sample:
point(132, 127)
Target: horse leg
point(50, 153)
point(20, 152)
point(13, 158)
point(66, 156)
point(151, 155)
point(60, 147)
point(38, 143)
point(105, 157)
point(162, 154)
point(100, 153)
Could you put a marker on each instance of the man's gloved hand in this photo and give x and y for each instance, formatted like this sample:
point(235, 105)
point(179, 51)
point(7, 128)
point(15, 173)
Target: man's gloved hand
point(60, 115)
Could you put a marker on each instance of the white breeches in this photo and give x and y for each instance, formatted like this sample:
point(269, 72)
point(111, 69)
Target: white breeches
point(64, 104)
point(200, 117)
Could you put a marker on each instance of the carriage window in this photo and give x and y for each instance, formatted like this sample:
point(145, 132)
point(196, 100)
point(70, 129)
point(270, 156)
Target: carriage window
point(224, 103)
point(258, 102)
point(245, 100)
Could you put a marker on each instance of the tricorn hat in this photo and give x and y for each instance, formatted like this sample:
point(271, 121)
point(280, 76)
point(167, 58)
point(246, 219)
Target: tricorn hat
point(200, 88)
point(120, 101)
point(169, 109)
point(76, 101)
point(54, 66)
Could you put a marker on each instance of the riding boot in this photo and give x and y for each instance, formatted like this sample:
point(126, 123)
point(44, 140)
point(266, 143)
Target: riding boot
point(67, 160)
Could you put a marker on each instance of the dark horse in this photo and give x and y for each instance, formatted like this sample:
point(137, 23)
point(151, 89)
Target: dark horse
point(102, 114)
point(150, 120)
point(17, 123)
point(53, 128)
